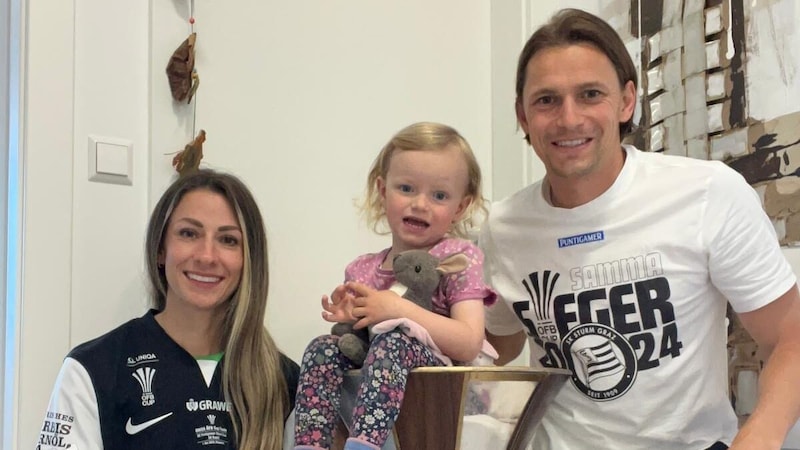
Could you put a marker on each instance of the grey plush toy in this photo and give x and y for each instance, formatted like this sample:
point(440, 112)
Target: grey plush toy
point(418, 274)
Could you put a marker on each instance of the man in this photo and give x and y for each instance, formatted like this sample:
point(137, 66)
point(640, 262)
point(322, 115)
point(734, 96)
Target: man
point(618, 266)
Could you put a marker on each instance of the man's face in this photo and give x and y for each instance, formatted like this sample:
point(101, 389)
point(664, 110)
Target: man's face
point(571, 107)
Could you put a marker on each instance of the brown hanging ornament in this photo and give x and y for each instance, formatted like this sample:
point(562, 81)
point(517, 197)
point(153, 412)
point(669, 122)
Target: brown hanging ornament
point(181, 73)
point(188, 159)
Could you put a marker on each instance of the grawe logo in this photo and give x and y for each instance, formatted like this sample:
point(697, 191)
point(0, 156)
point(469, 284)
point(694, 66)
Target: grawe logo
point(207, 405)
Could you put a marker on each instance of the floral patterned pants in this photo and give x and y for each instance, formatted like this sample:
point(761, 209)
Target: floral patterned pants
point(390, 357)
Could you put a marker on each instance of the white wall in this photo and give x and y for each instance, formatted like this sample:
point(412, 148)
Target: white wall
point(85, 73)
point(513, 162)
point(47, 139)
point(296, 99)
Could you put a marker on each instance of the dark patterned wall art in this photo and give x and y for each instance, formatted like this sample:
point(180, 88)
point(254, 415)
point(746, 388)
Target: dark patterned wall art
point(720, 79)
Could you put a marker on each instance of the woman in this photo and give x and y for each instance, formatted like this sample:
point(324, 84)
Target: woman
point(199, 368)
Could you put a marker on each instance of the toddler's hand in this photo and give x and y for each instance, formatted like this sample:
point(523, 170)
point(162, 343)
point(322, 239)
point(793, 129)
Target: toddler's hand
point(339, 306)
point(370, 306)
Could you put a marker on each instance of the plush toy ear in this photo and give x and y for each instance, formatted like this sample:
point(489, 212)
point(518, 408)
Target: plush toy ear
point(453, 263)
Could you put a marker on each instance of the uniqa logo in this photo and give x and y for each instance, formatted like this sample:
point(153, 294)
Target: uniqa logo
point(144, 357)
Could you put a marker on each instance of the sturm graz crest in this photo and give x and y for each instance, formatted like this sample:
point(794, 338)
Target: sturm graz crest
point(602, 362)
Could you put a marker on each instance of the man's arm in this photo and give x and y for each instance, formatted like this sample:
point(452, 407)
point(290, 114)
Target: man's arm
point(508, 347)
point(776, 329)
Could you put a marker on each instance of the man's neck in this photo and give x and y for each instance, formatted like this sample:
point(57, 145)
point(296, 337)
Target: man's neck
point(579, 190)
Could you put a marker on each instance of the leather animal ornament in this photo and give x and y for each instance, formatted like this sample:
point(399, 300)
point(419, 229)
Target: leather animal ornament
point(418, 274)
point(182, 76)
point(188, 159)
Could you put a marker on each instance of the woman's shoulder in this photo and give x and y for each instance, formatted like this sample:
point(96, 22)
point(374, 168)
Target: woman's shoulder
point(291, 373)
point(290, 369)
point(111, 343)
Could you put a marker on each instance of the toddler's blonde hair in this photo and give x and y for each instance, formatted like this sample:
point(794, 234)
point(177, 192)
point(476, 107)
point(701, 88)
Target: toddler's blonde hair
point(424, 136)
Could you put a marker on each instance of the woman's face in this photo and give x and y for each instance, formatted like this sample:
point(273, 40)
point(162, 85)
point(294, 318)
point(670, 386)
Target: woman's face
point(202, 253)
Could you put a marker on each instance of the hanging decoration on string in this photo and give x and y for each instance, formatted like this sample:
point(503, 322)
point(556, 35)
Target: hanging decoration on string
point(181, 73)
point(183, 83)
point(188, 159)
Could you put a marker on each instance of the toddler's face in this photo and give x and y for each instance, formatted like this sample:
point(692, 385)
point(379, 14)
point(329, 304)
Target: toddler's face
point(424, 193)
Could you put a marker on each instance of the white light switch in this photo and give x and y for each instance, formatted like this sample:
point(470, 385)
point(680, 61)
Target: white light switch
point(110, 160)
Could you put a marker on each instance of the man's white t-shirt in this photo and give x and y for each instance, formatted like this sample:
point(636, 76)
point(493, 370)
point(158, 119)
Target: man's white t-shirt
point(629, 292)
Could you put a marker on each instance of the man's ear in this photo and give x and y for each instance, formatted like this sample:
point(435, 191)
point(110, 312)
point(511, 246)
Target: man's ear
point(522, 120)
point(628, 102)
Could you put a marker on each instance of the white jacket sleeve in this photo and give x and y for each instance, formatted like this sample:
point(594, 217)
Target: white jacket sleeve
point(72, 418)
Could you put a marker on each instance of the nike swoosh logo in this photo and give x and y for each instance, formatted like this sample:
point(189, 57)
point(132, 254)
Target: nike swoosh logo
point(133, 429)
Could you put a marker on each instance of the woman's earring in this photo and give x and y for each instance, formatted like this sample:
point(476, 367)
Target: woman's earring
point(160, 265)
